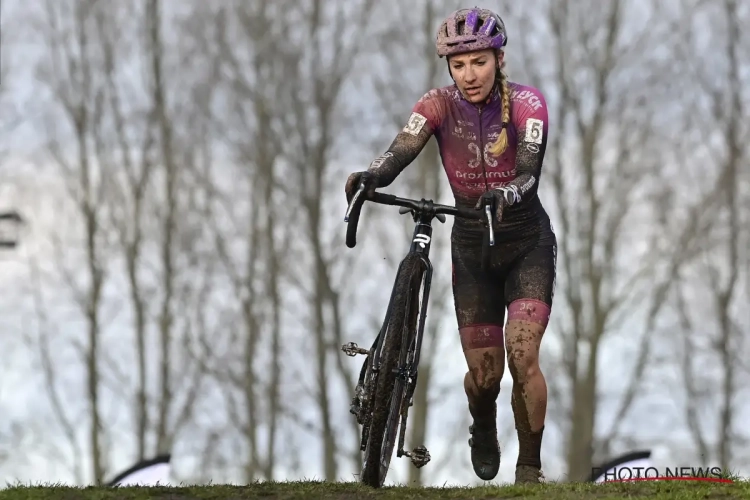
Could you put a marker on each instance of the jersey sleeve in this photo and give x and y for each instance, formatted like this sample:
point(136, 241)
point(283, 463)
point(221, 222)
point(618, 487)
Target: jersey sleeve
point(430, 109)
point(531, 121)
point(425, 118)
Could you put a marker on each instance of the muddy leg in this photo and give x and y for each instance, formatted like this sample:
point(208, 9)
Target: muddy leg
point(485, 357)
point(527, 321)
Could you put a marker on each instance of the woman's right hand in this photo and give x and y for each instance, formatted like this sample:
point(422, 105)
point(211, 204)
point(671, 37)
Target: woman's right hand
point(354, 180)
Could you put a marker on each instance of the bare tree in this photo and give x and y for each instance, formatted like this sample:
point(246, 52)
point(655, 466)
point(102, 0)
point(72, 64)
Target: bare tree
point(323, 55)
point(726, 291)
point(259, 147)
point(255, 271)
point(70, 73)
point(43, 341)
point(186, 272)
point(134, 139)
point(168, 219)
point(718, 274)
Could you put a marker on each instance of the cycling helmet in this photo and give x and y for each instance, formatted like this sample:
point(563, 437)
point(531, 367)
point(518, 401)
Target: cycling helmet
point(467, 30)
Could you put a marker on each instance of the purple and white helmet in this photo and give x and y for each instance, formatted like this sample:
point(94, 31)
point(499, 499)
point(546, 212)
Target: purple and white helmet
point(467, 30)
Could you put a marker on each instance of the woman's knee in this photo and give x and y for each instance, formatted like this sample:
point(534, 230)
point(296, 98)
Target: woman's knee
point(486, 368)
point(483, 347)
point(523, 362)
point(527, 322)
point(480, 382)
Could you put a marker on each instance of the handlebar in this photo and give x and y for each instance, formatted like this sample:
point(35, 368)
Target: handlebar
point(424, 206)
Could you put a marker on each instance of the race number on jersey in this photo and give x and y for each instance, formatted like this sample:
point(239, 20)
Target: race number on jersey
point(415, 124)
point(534, 131)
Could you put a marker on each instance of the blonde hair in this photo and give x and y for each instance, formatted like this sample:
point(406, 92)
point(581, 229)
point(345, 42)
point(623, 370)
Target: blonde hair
point(501, 144)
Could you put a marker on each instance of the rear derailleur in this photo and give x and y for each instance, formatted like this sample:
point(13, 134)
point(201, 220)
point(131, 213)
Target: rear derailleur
point(360, 395)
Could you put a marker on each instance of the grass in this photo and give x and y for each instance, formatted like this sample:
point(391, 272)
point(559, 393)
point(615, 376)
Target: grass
point(681, 490)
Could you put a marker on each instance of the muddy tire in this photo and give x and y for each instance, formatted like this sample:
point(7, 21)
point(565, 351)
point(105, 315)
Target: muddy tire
point(389, 391)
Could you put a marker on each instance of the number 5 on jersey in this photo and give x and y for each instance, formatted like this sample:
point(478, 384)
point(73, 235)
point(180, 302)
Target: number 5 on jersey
point(534, 131)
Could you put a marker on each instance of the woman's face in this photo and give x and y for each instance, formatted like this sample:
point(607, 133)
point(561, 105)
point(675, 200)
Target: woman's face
point(474, 73)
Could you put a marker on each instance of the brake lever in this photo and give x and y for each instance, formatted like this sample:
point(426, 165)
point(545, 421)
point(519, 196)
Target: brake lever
point(354, 201)
point(488, 213)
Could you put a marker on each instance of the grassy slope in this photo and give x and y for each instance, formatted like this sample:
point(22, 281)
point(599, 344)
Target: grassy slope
point(351, 491)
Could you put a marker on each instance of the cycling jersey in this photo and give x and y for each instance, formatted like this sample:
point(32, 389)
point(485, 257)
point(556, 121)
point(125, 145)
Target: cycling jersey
point(465, 132)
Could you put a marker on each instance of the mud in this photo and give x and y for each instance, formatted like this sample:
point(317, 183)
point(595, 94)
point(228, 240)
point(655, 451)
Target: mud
point(523, 343)
point(482, 382)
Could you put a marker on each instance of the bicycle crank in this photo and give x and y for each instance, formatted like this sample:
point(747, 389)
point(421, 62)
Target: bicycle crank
point(352, 349)
point(419, 456)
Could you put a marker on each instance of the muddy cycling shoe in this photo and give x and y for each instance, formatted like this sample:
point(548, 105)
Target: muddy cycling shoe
point(528, 474)
point(485, 448)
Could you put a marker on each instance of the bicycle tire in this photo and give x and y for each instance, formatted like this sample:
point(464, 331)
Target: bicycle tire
point(398, 403)
point(389, 390)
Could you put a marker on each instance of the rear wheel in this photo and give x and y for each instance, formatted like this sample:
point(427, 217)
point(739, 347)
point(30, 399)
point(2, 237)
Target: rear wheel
point(390, 389)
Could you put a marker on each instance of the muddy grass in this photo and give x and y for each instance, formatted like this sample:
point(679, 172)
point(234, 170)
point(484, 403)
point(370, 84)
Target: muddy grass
point(351, 491)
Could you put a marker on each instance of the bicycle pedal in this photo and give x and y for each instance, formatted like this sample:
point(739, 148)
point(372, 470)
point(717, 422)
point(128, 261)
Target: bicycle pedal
point(352, 349)
point(419, 456)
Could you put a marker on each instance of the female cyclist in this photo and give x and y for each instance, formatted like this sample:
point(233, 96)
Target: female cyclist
point(492, 135)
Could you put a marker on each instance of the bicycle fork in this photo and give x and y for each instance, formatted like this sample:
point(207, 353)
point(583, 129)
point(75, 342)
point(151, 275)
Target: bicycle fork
point(406, 372)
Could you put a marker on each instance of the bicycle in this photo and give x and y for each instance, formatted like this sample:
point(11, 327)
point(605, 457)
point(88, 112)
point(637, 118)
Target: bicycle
point(385, 389)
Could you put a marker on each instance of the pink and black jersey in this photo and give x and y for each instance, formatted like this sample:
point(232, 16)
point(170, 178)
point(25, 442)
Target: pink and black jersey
point(465, 132)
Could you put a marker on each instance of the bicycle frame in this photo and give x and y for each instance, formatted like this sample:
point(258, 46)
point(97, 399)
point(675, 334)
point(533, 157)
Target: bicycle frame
point(423, 212)
point(420, 245)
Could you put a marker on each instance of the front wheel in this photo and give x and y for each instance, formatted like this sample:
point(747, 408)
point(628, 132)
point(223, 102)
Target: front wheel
point(390, 389)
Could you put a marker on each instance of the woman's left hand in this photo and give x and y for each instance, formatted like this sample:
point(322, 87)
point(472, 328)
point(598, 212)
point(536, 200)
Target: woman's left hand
point(498, 199)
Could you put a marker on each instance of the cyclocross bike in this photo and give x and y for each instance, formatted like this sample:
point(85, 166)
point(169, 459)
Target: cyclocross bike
point(388, 376)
